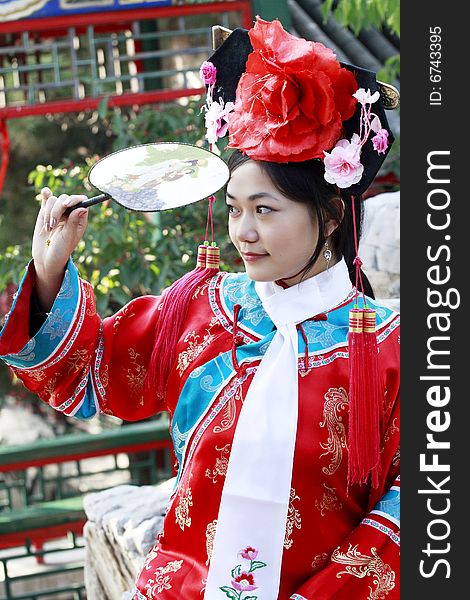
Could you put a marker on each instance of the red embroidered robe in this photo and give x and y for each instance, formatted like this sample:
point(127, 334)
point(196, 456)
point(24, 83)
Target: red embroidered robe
point(339, 543)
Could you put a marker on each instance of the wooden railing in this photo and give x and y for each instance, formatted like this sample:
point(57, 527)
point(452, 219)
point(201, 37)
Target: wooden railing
point(41, 489)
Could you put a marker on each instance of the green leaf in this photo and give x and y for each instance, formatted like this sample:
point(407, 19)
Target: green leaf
point(256, 564)
point(326, 9)
point(251, 598)
point(236, 571)
point(103, 108)
point(230, 593)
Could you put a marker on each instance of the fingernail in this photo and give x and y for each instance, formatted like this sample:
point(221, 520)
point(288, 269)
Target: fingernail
point(52, 223)
point(66, 202)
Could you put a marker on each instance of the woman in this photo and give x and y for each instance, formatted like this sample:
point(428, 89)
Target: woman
point(266, 505)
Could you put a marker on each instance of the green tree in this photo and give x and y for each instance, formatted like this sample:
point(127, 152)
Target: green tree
point(363, 14)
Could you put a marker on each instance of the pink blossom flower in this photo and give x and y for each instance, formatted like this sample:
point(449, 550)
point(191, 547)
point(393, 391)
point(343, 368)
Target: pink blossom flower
point(342, 165)
point(380, 141)
point(365, 97)
point(208, 73)
point(216, 120)
point(245, 582)
point(249, 553)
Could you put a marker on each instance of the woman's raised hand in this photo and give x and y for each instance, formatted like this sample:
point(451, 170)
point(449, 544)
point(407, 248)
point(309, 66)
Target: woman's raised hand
point(56, 235)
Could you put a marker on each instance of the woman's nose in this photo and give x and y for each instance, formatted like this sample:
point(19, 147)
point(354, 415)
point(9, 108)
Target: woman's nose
point(246, 229)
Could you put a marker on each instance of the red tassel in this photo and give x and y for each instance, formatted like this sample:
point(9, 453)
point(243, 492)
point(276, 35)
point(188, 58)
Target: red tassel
point(365, 399)
point(175, 303)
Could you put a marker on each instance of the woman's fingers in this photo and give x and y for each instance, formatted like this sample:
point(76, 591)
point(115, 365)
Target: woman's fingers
point(55, 207)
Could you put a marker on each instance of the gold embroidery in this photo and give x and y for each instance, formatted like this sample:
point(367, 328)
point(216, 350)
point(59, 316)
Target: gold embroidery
point(50, 385)
point(77, 361)
point(136, 375)
point(319, 560)
point(391, 429)
point(221, 464)
point(201, 289)
point(195, 347)
point(293, 519)
point(162, 579)
point(329, 501)
point(124, 312)
point(360, 565)
point(104, 375)
point(230, 412)
point(150, 556)
point(396, 457)
point(336, 400)
point(36, 375)
point(210, 535)
point(90, 300)
point(182, 517)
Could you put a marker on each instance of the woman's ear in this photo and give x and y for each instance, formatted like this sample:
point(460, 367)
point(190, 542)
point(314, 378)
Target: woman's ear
point(334, 216)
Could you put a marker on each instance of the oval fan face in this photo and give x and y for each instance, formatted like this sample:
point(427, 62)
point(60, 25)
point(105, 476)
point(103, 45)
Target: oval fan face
point(154, 177)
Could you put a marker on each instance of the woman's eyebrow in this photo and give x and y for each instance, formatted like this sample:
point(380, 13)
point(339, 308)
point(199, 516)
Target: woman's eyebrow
point(255, 196)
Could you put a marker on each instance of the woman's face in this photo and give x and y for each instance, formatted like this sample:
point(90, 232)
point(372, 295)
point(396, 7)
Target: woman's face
point(275, 236)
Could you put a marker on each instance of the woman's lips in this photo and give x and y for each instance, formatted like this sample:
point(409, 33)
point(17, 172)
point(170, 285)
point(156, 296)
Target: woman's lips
point(252, 256)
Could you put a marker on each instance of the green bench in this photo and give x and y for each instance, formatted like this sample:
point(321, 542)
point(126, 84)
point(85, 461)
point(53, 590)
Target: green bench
point(28, 519)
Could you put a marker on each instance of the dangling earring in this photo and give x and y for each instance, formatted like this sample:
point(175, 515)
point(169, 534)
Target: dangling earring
point(327, 254)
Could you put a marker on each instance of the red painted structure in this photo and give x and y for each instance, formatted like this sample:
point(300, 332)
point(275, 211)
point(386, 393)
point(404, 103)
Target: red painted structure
point(106, 21)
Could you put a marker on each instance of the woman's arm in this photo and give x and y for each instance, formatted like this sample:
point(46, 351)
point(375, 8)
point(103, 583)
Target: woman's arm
point(74, 361)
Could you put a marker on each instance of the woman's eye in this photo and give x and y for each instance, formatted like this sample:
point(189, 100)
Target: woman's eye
point(231, 209)
point(263, 210)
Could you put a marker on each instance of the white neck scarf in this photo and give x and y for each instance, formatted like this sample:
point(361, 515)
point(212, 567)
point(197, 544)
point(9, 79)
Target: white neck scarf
point(255, 497)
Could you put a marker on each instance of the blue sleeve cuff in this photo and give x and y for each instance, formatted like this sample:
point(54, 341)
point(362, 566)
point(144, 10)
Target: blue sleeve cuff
point(56, 327)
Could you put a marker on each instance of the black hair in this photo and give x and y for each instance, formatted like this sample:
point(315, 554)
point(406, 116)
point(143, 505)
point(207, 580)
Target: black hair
point(304, 182)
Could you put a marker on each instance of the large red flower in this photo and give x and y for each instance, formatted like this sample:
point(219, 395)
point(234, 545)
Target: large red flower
point(292, 99)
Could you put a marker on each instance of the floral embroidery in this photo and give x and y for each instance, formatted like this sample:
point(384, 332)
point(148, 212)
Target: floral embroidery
point(221, 464)
point(56, 325)
point(329, 501)
point(243, 580)
point(35, 375)
point(136, 375)
point(210, 535)
point(391, 429)
point(230, 412)
point(336, 400)
point(239, 290)
point(360, 565)
point(124, 312)
point(150, 556)
point(195, 347)
point(77, 361)
point(162, 580)
point(201, 289)
point(396, 457)
point(50, 385)
point(182, 510)
point(90, 300)
point(293, 519)
point(319, 560)
point(105, 375)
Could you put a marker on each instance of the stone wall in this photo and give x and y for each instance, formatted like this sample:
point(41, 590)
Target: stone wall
point(122, 526)
point(379, 248)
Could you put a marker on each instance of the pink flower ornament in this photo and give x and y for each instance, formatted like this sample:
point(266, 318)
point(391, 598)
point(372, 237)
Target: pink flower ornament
point(208, 73)
point(245, 582)
point(380, 141)
point(217, 120)
point(249, 553)
point(365, 97)
point(343, 165)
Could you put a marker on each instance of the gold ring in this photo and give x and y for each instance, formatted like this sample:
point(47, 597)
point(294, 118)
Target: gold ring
point(48, 242)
